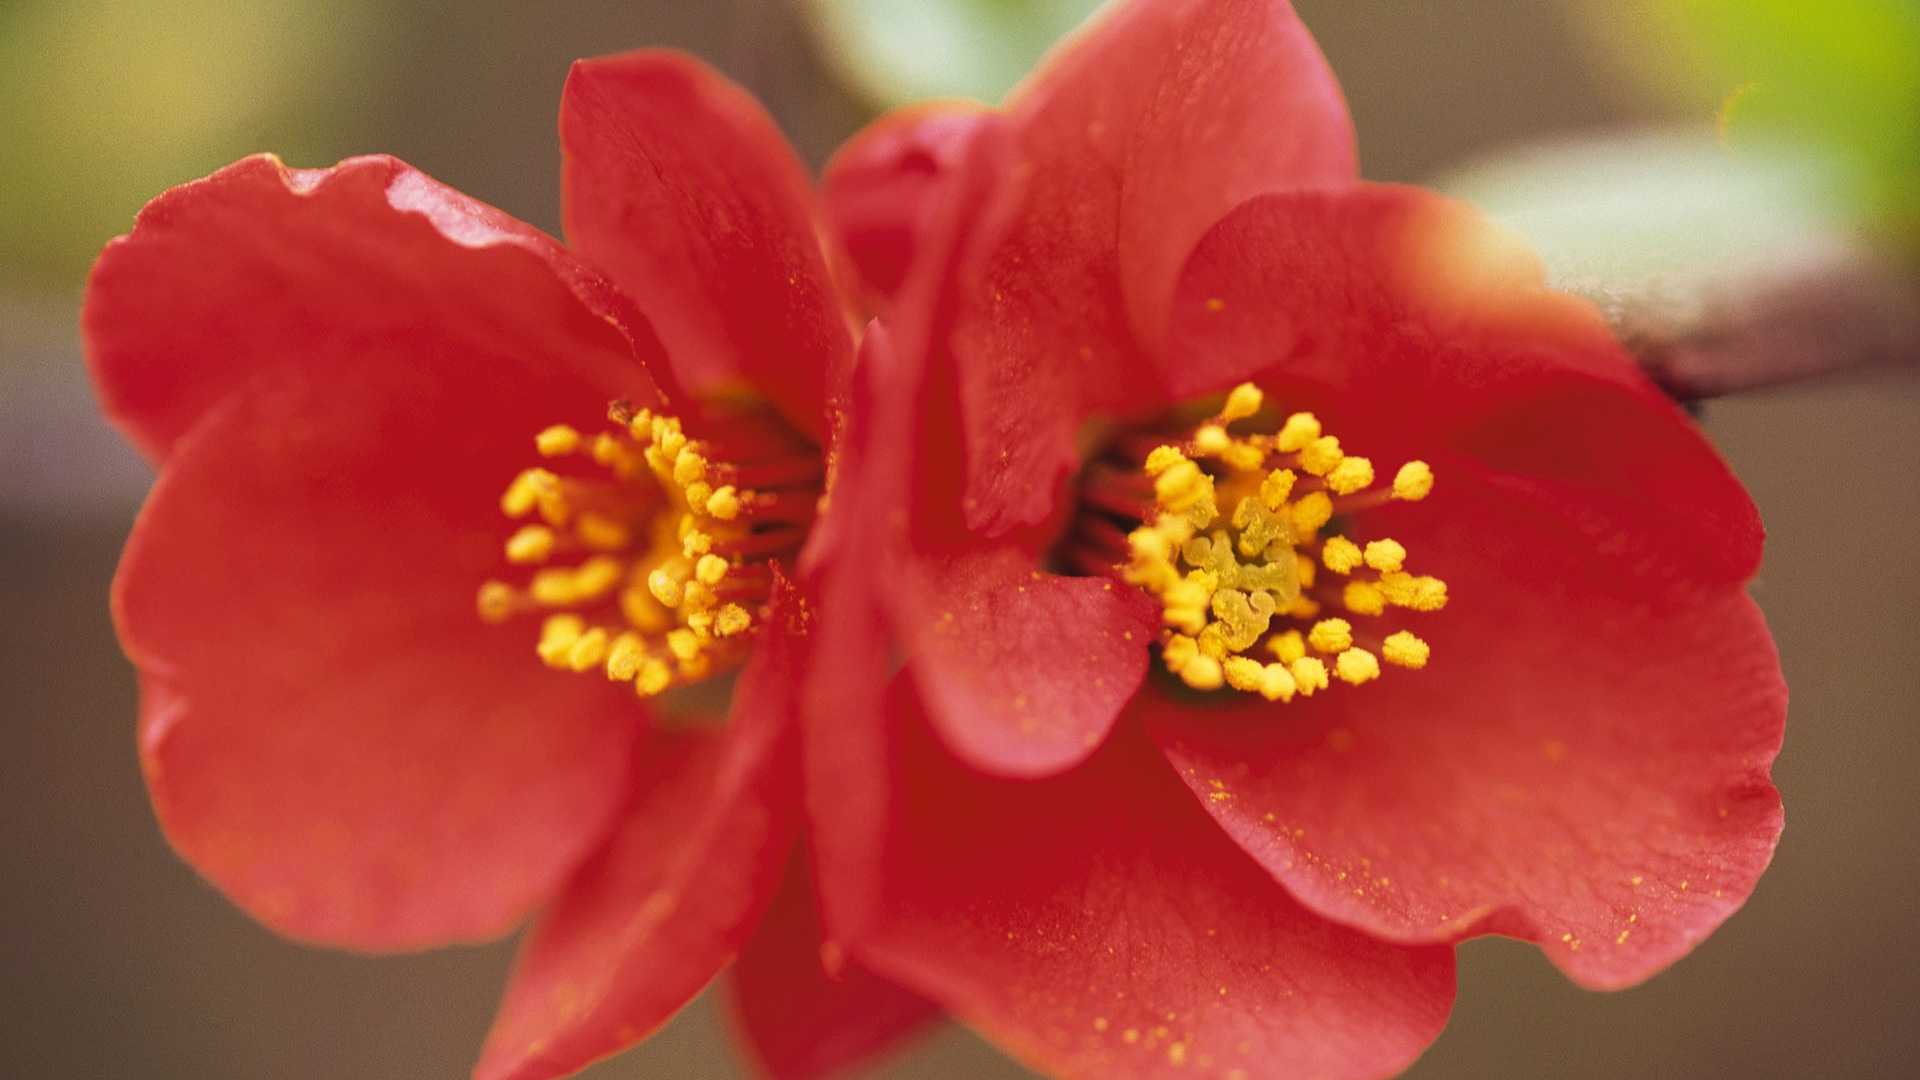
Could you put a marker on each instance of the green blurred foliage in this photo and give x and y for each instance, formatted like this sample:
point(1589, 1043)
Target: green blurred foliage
point(104, 103)
point(1841, 77)
point(897, 51)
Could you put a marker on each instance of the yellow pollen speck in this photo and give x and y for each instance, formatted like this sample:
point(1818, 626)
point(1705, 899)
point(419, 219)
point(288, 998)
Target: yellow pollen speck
point(1242, 401)
point(557, 441)
point(1413, 481)
point(1322, 455)
point(1299, 430)
point(1357, 666)
point(1386, 555)
point(1331, 636)
point(1405, 650)
point(1352, 474)
point(1341, 555)
point(530, 544)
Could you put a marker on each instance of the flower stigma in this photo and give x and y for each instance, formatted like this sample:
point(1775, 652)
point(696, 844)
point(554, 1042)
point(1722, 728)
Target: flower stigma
point(651, 545)
point(1243, 539)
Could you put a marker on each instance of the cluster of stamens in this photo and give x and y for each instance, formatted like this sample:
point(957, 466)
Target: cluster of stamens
point(653, 567)
point(1237, 531)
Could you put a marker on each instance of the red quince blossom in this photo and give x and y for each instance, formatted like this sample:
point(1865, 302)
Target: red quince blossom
point(1128, 831)
point(346, 722)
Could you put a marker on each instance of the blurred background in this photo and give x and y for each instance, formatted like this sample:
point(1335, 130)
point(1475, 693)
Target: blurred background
point(116, 961)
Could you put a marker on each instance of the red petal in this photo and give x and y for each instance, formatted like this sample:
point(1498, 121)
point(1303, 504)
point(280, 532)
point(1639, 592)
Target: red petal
point(260, 268)
point(1134, 138)
point(1583, 763)
point(882, 186)
point(329, 732)
point(681, 187)
point(1412, 323)
point(1097, 924)
point(1022, 672)
point(675, 894)
point(801, 1021)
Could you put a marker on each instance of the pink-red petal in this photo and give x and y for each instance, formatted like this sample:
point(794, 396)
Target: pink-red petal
point(1022, 672)
point(802, 1021)
point(253, 269)
point(329, 732)
point(1098, 924)
point(679, 185)
point(675, 894)
point(1583, 762)
point(1132, 139)
point(1412, 324)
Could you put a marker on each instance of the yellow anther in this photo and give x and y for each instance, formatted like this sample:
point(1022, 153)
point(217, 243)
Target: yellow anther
point(1184, 488)
point(643, 611)
point(1356, 666)
point(1276, 487)
point(1276, 683)
point(1386, 555)
point(654, 676)
point(602, 533)
point(1413, 481)
point(1300, 429)
point(1178, 650)
point(711, 569)
point(1331, 636)
point(1242, 673)
point(1211, 440)
point(684, 644)
point(1364, 598)
point(1243, 456)
point(557, 636)
point(732, 619)
point(626, 656)
point(1287, 647)
point(1419, 593)
point(552, 587)
point(1203, 673)
point(523, 494)
point(688, 466)
point(1405, 650)
point(668, 438)
point(1309, 674)
point(530, 544)
point(557, 441)
point(1303, 607)
point(1322, 455)
point(1352, 474)
point(1242, 401)
point(665, 587)
point(724, 503)
point(1184, 606)
point(697, 596)
point(597, 577)
point(496, 602)
point(1309, 513)
point(695, 543)
point(587, 652)
point(1304, 569)
point(1150, 544)
point(641, 427)
point(1163, 458)
point(697, 493)
point(608, 450)
point(1341, 555)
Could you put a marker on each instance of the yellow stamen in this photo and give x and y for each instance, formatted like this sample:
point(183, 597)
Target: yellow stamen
point(1231, 547)
point(557, 441)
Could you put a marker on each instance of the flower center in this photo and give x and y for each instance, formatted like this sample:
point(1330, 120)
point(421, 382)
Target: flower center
point(1230, 530)
point(652, 545)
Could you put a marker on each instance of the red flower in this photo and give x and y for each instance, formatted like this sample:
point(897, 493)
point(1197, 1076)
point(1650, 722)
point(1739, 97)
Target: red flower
point(338, 372)
point(1137, 820)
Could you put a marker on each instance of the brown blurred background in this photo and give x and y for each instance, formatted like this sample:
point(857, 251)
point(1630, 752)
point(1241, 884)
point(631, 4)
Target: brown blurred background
point(116, 961)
